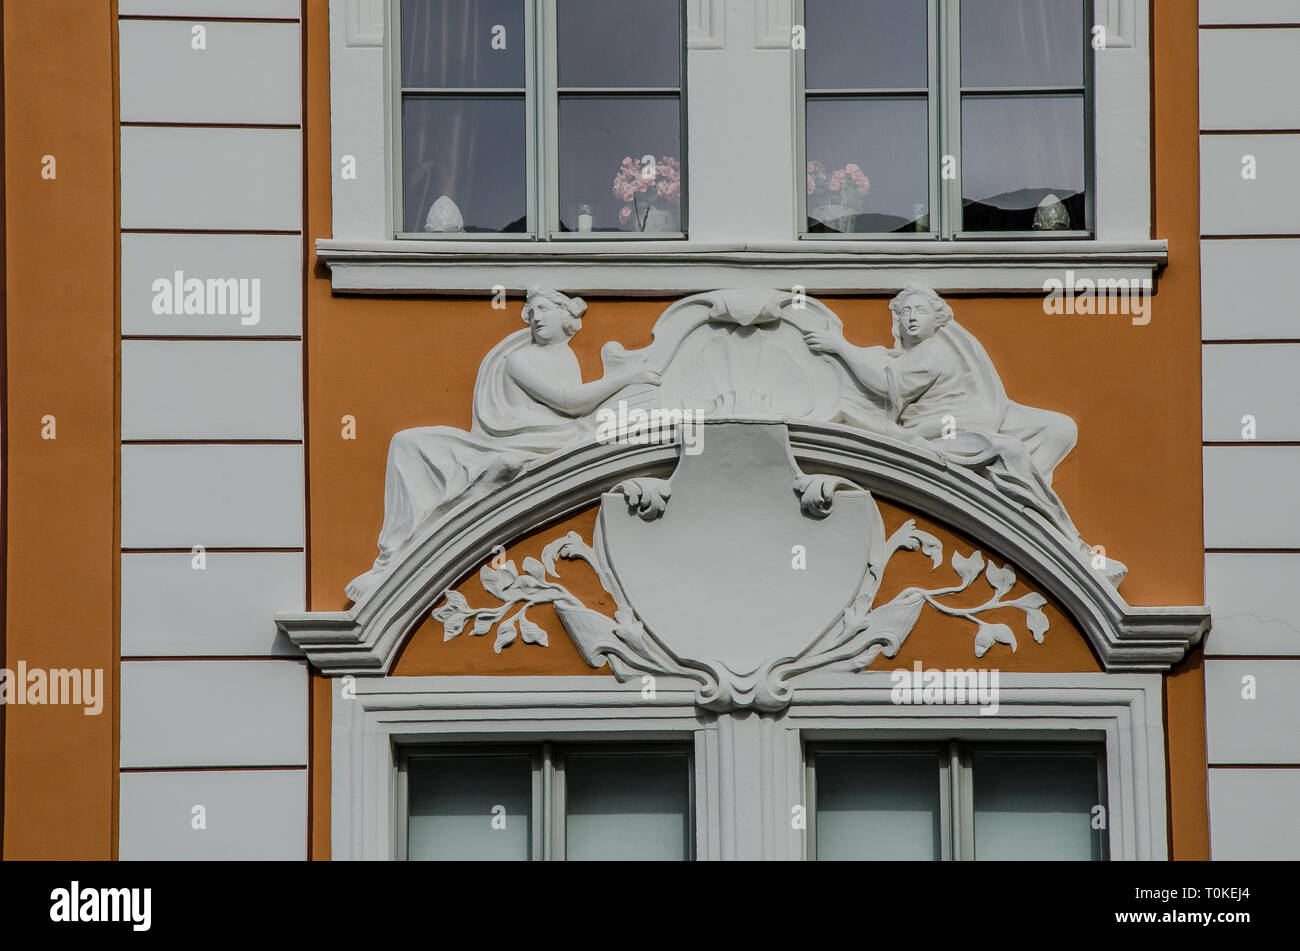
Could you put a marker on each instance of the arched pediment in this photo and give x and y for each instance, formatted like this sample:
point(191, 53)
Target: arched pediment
point(803, 431)
point(366, 639)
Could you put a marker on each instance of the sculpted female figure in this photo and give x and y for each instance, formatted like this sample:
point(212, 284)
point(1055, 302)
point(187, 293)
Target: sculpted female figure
point(937, 387)
point(529, 401)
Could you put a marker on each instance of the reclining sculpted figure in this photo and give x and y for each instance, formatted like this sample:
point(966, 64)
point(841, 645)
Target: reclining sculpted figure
point(938, 388)
point(529, 401)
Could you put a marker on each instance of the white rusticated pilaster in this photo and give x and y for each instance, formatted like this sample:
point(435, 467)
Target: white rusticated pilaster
point(705, 24)
point(365, 24)
point(773, 20)
point(1119, 19)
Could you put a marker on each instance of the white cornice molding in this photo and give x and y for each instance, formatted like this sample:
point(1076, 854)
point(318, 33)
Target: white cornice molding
point(366, 639)
point(624, 268)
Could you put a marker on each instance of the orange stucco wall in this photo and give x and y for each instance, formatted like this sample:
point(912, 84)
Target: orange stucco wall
point(1133, 483)
point(1175, 126)
point(61, 349)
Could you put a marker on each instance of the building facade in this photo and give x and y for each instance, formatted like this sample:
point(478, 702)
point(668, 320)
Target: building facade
point(892, 461)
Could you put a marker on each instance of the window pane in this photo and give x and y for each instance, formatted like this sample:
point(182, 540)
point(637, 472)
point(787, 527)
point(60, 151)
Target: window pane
point(866, 44)
point(472, 151)
point(627, 806)
point(605, 43)
point(877, 806)
point(1016, 152)
point(596, 135)
point(1022, 42)
point(887, 140)
point(463, 43)
point(1035, 806)
point(470, 807)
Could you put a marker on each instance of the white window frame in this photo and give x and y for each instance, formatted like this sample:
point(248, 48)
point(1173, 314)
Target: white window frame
point(541, 131)
point(736, 817)
point(744, 231)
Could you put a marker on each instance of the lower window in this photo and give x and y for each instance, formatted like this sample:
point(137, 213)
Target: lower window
point(957, 801)
point(547, 801)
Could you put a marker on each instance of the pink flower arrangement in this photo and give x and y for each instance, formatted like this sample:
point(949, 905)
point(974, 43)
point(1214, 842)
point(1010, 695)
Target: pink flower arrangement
point(661, 179)
point(850, 174)
point(816, 177)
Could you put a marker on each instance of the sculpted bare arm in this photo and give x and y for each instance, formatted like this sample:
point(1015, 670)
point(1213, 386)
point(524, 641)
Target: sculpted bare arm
point(866, 369)
point(573, 399)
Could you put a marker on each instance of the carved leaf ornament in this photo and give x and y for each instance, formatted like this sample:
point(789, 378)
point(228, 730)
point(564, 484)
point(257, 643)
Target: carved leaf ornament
point(863, 632)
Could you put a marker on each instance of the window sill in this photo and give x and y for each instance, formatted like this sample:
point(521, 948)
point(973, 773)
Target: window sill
point(626, 268)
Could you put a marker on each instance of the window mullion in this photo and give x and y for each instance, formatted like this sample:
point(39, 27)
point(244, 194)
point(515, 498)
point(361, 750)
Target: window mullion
point(1089, 122)
point(810, 805)
point(393, 48)
point(956, 795)
point(543, 797)
point(542, 73)
point(799, 60)
point(402, 811)
point(949, 804)
point(950, 104)
point(937, 136)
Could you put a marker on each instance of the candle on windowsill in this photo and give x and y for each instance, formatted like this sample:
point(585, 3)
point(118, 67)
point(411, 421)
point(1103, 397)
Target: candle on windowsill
point(584, 217)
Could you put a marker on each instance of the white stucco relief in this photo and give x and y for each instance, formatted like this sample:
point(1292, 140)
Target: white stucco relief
point(797, 429)
point(771, 355)
point(788, 555)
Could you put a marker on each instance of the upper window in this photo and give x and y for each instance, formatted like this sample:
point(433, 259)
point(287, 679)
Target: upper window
point(539, 118)
point(957, 802)
point(947, 118)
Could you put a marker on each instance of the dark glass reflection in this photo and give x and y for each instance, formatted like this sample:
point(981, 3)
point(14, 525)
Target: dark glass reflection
point(866, 44)
point(597, 137)
point(887, 142)
point(459, 43)
point(1016, 153)
point(471, 150)
point(626, 43)
point(1022, 43)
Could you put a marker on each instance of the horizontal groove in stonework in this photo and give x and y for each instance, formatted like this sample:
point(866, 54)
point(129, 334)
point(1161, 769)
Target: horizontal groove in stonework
point(189, 658)
point(183, 338)
point(208, 769)
point(1250, 26)
point(210, 550)
point(206, 19)
point(1249, 237)
point(206, 231)
point(212, 442)
point(1251, 442)
point(144, 124)
point(1246, 340)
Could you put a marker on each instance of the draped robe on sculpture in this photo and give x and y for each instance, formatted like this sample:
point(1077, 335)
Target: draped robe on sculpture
point(946, 384)
point(431, 469)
